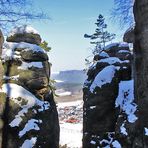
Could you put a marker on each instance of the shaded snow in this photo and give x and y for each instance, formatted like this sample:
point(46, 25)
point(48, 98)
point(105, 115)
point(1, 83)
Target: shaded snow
point(123, 129)
point(125, 99)
point(32, 124)
point(104, 54)
point(92, 142)
point(116, 144)
point(123, 51)
point(29, 143)
point(103, 77)
point(72, 103)
point(26, 66)
point(15, 91)
point(120, 44)
point(111, 45)
point(123, 44)
point(113, 60)
point(23, 30)
point(146, 131)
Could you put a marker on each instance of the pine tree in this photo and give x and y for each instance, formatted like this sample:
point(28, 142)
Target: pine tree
point(45, 46)
point(101, 35)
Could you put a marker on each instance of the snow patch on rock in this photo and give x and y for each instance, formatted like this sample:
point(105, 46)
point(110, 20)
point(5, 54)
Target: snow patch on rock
point(9, 52)
point(23, 30)
point(26, 66)
point(123, 129)
point(125, 100)
point(146, 131)
point(104, 54)
point(29, 143)
point(103, 77)
point(113, 60)
point(15, 91)
point(32, 124)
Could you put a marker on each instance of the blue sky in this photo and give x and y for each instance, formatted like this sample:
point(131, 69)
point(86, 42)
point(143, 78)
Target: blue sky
point(70, 20)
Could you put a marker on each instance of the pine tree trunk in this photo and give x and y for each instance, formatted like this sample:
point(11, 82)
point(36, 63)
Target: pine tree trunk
point(141, 70)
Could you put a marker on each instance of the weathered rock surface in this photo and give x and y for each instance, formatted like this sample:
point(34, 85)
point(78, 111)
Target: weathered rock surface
point(31, 111)
point(1, 67)
point(109, 110)
point(129, 35)
point(24, 34)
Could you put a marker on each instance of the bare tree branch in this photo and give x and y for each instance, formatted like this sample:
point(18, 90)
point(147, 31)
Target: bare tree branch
point(13, 12)
point(123, 12)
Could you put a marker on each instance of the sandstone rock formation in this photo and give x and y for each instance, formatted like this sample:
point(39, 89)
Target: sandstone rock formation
point(109, 117)
point(129, 35)
point(31, 110)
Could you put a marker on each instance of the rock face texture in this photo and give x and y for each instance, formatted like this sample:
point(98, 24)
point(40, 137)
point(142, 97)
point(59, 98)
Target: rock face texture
point(141, 70)
point(129, 35)
point(109, 117)
point(27, 104)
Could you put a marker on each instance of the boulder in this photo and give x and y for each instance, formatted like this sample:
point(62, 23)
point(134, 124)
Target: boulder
point(33, 56)
point(129, 36)
point(105, 118)
point(24, 34)
point(31, 111)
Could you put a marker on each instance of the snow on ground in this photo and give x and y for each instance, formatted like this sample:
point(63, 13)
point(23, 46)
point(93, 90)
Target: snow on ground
point(103, 77)
point(125, 99)
point(70, 133)
point(72, 103)
point(22, 30)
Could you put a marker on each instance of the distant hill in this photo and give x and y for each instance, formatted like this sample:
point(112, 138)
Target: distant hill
point(69, 81)
point(70, 76)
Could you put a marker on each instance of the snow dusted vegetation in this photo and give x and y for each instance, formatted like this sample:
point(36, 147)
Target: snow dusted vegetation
point(125, 100)
point(105, 76)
